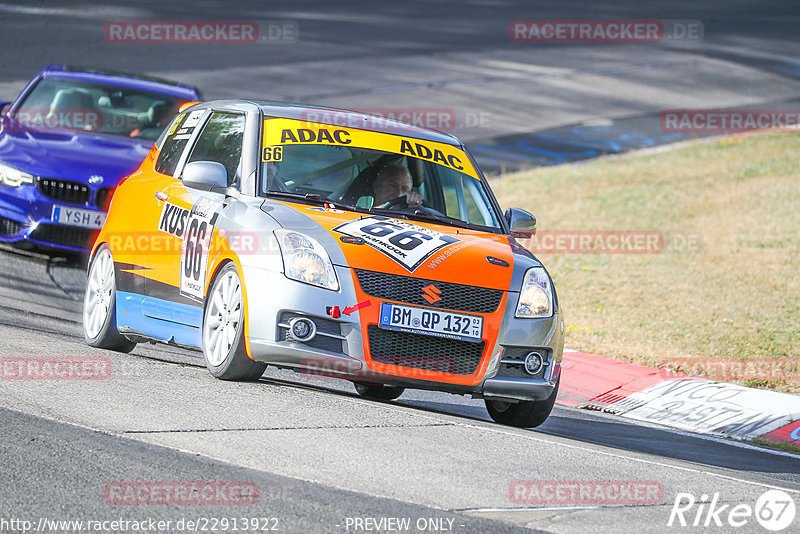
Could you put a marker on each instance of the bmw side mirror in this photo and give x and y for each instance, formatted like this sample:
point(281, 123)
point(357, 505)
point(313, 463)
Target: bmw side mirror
point(521, 223)
point(205, 175)
point(3, 104)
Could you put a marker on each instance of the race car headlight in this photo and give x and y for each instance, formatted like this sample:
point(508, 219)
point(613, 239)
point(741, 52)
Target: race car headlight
point(13, 177)
point(536, 296)
point(306, 260)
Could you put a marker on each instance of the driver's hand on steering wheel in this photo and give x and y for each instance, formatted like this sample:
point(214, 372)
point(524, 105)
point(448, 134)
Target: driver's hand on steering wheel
point(414, 200)
point(406, 200)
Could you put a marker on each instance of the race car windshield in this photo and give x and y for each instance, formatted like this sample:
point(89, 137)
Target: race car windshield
point(70, 105)
point(372, 180)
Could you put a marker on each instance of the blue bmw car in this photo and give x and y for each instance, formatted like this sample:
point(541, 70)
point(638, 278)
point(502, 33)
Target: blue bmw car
point(66, 142)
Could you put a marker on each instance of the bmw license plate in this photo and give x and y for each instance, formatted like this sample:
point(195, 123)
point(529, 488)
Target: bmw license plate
point(431, 322)
point(78, 217)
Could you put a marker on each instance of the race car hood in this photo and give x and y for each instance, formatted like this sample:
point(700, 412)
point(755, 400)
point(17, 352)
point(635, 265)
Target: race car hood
point(410, 248)
point(70, 155)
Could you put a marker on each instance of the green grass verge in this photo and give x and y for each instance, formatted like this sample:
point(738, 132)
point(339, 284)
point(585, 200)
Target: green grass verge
point(734, 294)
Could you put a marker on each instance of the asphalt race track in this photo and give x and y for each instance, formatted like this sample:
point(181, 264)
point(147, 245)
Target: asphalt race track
point(515, 104)
point(321, 458)
point(318, 453)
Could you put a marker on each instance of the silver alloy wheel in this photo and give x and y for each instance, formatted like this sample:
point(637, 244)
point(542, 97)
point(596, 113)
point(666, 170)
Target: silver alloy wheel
point(223, 318)
point(99, 294)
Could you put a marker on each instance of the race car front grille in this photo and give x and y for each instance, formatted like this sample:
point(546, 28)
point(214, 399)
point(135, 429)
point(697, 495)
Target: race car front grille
point(67, 236)
point(64, 191)
point(102, 198)
point(413, 291)
point(429, 353)
point(9, 227)
point(320, 341)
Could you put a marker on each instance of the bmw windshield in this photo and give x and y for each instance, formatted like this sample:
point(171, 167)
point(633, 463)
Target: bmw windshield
point(72, 105)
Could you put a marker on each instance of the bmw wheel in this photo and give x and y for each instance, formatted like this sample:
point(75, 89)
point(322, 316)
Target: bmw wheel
point(524, 414)
point(99, 305)
point(223, 330)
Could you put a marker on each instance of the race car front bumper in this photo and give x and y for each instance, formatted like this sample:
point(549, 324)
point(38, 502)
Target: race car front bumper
point(505, 387)
point(338, 349)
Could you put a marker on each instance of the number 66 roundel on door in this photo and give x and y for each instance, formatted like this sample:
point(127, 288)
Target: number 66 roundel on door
point(196, 243)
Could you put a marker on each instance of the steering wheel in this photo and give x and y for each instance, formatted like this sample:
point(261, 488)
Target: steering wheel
point(402, 201)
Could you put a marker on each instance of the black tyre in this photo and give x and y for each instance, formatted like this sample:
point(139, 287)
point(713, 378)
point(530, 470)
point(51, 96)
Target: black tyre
point(100, 305)
point(524, 414)
point(223, 330)
point(378, 391)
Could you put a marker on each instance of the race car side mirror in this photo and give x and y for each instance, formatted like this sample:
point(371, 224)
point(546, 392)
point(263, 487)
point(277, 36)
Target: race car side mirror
point(205, 175)
point(521, 223)
point(3, 104)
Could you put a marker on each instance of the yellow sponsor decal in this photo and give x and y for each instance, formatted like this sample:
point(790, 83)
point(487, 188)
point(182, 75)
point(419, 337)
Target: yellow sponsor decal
point(279, 132)
point(175, 124)
point(272, 153)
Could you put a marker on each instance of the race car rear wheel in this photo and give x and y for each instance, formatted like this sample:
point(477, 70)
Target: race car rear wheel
point(223, 330)
point(100, 305)
point(524, 414)
point(378, 391)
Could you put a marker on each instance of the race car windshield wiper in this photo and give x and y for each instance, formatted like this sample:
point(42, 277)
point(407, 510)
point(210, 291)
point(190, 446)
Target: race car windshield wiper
point(311, 197)
point(385, 211)
point(441, 218)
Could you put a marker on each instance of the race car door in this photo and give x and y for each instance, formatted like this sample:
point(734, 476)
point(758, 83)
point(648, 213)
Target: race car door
point(149, 230)
point(178, 284)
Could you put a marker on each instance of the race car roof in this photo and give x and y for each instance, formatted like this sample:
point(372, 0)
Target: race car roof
point(351, 119)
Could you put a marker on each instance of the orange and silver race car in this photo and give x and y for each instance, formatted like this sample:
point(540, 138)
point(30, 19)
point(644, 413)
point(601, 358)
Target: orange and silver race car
point(329, 242)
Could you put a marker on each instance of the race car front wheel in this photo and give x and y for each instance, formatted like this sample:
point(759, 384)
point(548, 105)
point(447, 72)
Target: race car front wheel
point(378, 391)
point(223, 330)
point(99, 305)
point(525, 414)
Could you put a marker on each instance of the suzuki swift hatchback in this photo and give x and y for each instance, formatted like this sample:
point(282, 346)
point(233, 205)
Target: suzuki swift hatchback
point(329, 242)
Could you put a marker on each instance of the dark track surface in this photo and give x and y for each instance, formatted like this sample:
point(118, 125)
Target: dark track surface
point(317, 451)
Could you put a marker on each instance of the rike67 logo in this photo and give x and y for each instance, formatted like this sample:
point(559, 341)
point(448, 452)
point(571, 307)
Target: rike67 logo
point(774, 510)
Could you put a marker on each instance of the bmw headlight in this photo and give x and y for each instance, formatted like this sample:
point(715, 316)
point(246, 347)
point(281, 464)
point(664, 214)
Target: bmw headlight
point(13, 177)
point(306, 260)
point(536, 296)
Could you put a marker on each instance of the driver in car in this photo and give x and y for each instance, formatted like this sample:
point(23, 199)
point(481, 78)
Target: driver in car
point(394, 181)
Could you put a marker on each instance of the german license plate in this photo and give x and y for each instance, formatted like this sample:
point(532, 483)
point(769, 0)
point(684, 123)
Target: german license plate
point(78, 217)
point(431, 322)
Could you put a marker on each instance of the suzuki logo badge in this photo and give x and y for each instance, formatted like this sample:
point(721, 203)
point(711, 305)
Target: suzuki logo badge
point(431, 294)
